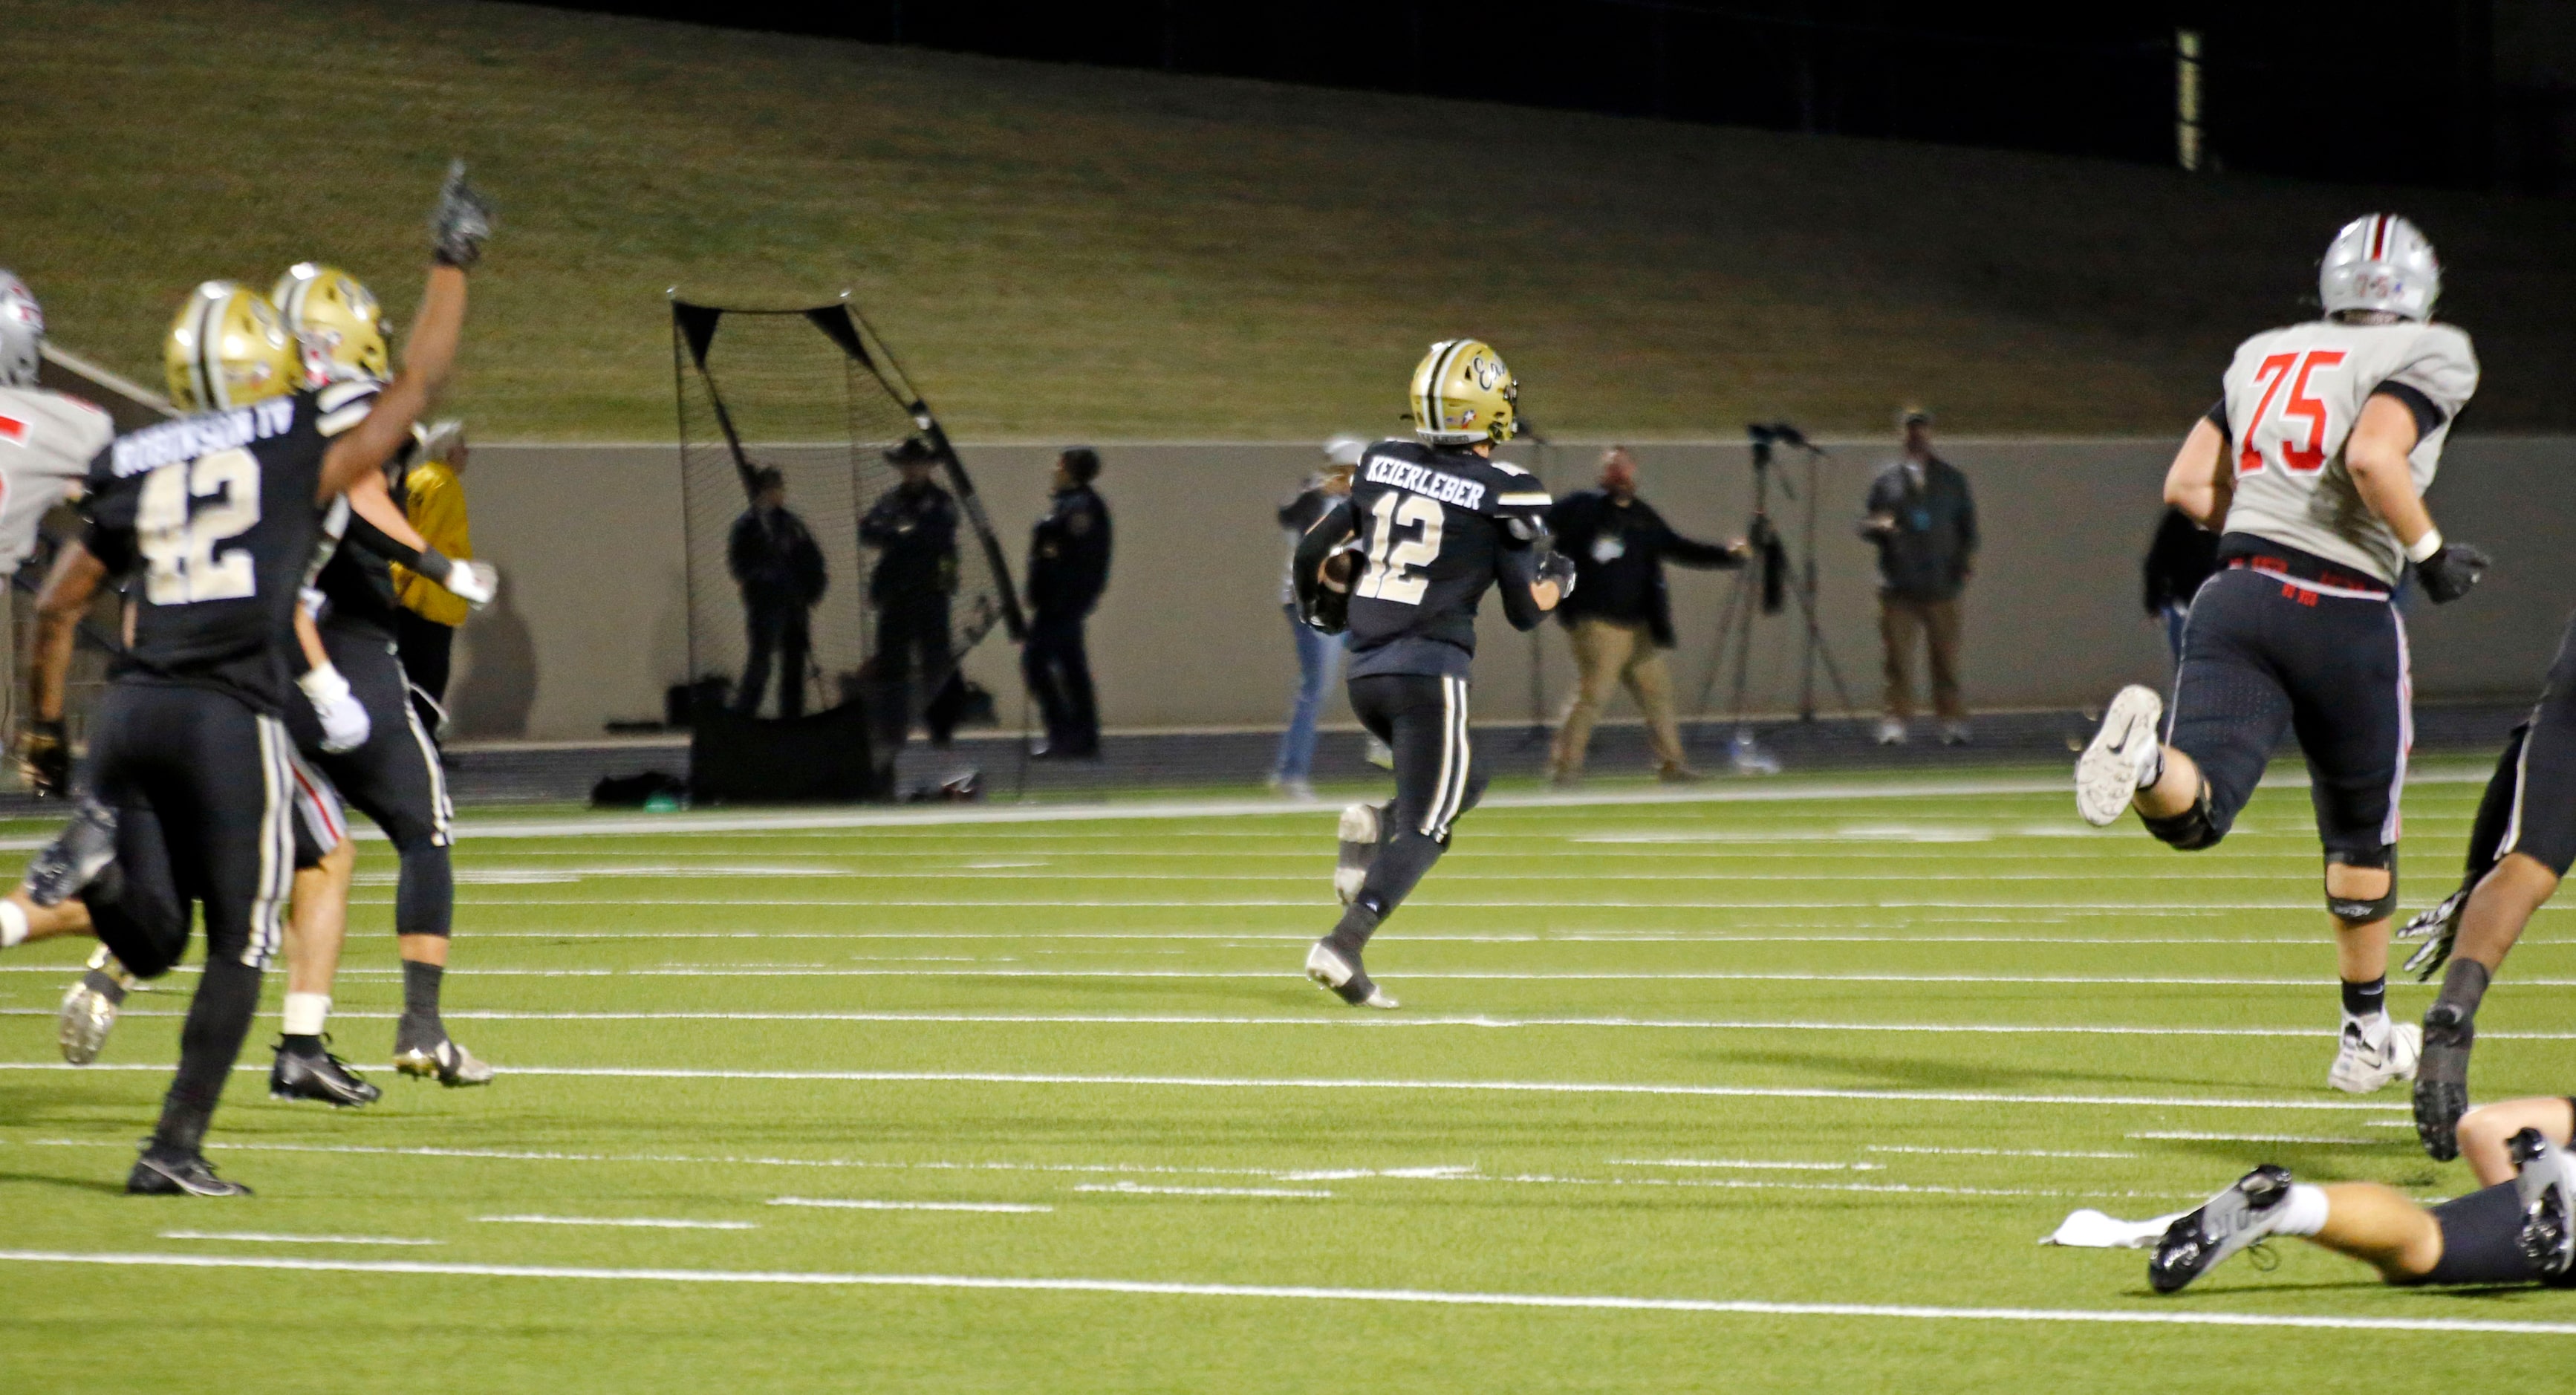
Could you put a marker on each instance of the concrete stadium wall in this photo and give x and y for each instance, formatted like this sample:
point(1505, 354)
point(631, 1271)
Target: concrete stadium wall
point(592, 626)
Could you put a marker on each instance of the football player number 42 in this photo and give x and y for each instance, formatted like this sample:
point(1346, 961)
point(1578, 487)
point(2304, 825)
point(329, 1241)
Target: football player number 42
point(2295, 435)
point(183, 546)
point(1390, 575)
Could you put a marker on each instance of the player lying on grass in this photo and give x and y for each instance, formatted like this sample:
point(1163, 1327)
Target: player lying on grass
point(1429, 526)
point(2312, 469)
point(2521, 845)
point(2518, 1227)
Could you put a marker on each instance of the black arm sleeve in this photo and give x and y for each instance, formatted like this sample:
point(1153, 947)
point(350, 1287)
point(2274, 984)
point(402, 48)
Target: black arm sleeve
point(379, 542)
point(1321, 607)
point(1514, 570)
point(1690, 552)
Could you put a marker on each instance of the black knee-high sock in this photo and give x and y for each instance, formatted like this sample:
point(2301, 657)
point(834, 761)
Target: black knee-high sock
point(2495, 811)
point(1400, 866)
point(2464, 986)
point(218, 1019)
point(420, 990)
point(425, 892)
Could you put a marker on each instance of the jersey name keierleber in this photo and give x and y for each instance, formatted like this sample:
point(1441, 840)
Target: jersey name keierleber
point(217, 513)
point(47, 441)
point(2293, 396)
point(1433, 527)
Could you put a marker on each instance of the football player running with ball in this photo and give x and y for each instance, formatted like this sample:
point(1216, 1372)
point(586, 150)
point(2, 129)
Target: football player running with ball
point(189, 792)
point(2314, 472)
point(2312, 469)
point(1429, 526)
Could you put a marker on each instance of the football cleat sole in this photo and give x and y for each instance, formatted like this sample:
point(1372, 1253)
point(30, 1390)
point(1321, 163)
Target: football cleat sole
point(2546, 1187)
point(83, 853)
point(2442, 1081)
point(2224, 1224)
point(2106, 775)
point(1345, 979)
point(88, 1013)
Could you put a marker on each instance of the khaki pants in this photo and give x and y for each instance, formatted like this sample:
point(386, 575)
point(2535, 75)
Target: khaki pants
point(1607, 654)
point(1899, 620)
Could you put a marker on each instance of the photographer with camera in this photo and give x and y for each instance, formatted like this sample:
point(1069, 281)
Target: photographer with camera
point(1620, 618)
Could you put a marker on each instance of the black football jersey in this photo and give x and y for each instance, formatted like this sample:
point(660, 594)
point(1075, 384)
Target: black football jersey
point(1434, 526)
point(215, 515)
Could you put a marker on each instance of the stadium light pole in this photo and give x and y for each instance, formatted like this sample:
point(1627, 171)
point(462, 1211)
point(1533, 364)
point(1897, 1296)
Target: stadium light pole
point(2187, 99)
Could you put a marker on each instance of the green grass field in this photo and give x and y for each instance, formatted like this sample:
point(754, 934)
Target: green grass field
point(1059, 251)
point(1077, 1123)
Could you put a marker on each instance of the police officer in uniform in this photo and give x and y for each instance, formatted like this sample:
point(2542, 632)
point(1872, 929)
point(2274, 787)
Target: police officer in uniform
point(2312, 467)
point(913, 526)
point(1068, 569)
point(1430, 525)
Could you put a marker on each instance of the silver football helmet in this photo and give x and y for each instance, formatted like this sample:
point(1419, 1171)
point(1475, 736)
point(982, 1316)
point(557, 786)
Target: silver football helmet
point(2380, 262)
point(22, 332)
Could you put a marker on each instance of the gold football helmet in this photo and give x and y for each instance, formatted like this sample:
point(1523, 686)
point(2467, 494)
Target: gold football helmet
point(227, 348)
point(336, 319)
point(1463, 394)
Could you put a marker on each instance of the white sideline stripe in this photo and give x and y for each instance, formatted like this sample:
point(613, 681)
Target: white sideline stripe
point(2186, 1136)
point(262, 1237)
point(1216, 1082)
point(1990, 1152)
point(1310, 903)
point(638, 1222)
point(1143, 1288)
point(1428, 975)
point(1767, 1164)
point(840, 1203)
point(1142, 1189)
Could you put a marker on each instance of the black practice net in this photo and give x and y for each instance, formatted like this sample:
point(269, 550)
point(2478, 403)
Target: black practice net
point(836, 546)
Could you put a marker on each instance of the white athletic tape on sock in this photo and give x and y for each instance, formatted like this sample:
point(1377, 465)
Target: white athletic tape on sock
point(305, 1014)
point(13, 924)
point(2303, 1211)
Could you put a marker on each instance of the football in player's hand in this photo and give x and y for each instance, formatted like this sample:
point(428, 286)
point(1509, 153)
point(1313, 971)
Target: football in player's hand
point(1338, 568)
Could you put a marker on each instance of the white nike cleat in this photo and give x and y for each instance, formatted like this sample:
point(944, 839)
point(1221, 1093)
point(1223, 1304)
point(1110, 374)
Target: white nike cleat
point(2546, 1187)
point(1342, 976)
point(2107, 776)
point(1360, 828)
point(2375, 1054)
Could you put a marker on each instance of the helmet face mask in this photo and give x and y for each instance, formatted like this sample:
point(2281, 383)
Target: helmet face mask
point(22, 333)
point(1464, 395)
point(2380, 263)
point(228, 348)
point(336, 321)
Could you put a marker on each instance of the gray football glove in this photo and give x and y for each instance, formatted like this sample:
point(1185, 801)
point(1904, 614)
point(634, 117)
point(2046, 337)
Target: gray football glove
point(460, 223)
point(1559, 568)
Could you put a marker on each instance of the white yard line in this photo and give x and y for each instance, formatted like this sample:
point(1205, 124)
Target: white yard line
point(2186, 1136)
point(1142, 1189)
point(1211, 1082)
point(1745, 1307)
point(635, 1222)
point(1990, 1152)
point(261, 1237)
point(843, 1203)
point(1755, 1164)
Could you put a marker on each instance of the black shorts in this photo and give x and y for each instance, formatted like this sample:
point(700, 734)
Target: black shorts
point(2541, 819)
point(2482, 1241)
point(1424, 719)
point(2267, 653)
point(204, 790)
point(395, 778)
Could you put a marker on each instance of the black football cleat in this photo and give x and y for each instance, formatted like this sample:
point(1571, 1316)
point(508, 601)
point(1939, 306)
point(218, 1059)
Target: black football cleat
point(2224, 1224)
point(82, 854)
point(2442, 1080)
point(1339, 973)
point(325, 1077)
point(160, 1173)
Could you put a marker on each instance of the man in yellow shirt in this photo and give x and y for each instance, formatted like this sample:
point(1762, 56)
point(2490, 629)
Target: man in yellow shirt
point(435, 500)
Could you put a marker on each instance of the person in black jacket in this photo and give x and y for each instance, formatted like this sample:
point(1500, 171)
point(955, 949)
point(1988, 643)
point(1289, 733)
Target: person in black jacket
point(1068, 569)
point(2182, 556)
point(913, 527)
point(1924, 522)
point(774, 560)
point(1619, 618)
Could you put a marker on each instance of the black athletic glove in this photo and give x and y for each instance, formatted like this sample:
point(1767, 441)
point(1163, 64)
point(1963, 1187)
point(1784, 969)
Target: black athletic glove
point(460, 223)
point(45, 757)
point(1559, 568)
point(2451, 571)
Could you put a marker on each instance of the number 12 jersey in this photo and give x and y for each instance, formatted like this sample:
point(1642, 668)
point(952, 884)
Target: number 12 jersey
point(1435, 527)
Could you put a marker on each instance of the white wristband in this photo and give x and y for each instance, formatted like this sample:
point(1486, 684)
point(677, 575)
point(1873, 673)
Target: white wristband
point(2425, 546)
